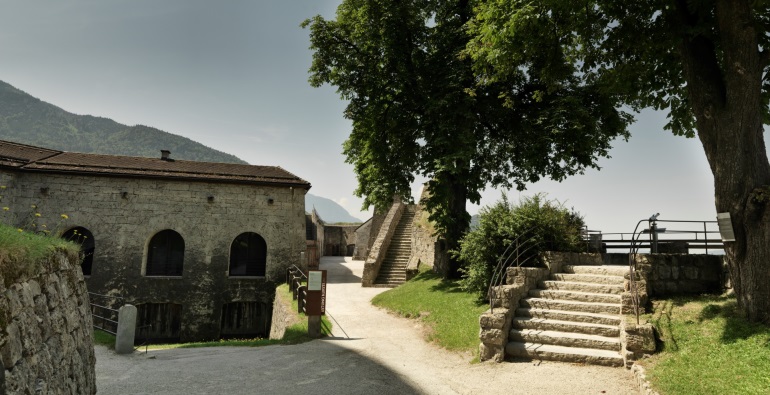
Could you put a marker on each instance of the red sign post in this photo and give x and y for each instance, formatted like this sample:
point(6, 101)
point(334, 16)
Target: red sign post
point(316, 293)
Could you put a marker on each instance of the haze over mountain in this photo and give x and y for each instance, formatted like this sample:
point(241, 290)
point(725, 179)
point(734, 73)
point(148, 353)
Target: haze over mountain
point(329, 211)
point(27, 120)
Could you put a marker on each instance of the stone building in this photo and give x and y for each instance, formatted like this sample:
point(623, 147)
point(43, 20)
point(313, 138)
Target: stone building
point(197, 247)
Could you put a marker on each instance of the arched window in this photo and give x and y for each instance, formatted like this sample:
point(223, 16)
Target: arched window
point(248, 255)
point(165, 254)
point(83, 237)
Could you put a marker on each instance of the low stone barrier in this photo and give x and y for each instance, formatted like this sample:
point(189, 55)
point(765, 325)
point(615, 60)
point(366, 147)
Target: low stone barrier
point(495, 323)
point(46, 344)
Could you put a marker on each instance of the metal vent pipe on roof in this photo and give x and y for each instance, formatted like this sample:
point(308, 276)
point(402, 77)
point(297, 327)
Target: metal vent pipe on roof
point(165, 154)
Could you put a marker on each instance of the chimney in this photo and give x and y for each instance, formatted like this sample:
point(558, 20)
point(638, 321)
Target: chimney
point(164, 154)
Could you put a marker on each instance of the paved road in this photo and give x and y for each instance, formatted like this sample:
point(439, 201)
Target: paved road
point(371, 352)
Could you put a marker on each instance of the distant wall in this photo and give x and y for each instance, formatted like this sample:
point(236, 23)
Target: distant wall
point(339, 240)
point(46, 344)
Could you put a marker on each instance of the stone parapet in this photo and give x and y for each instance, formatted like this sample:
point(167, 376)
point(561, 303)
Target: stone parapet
point(46, 344)
point(381, 243)
point(680, 274)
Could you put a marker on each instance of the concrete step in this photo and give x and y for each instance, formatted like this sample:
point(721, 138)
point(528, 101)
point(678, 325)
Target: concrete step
point(582, 287)
point(565, 326)
point(575, 316)
point(571, 305)
point(566, 339)
point(604, 270)
point(563, 354)
point(575, 296)
point(589, 278)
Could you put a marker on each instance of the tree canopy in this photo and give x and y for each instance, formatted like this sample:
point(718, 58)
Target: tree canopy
point(417, 109)
point(705, 62)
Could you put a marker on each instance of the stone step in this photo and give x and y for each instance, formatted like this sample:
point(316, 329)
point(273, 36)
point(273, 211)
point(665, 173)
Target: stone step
point(589, 278)
point(575, 296)
point(575, 316)
point(604, 270)
point(566, 339)
point(582, 287)
point(563, 354)
point(386, 285)
point(388, 272)
point(565, 326)
point(571, 305)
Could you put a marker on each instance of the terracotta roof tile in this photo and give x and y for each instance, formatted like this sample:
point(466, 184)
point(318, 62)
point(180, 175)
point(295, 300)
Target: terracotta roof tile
point(44, 160)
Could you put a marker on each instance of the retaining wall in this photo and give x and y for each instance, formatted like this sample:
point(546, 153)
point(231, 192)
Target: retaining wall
point(46, 344)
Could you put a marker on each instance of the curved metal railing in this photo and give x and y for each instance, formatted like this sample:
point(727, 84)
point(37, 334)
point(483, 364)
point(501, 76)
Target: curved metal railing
point(514, 254)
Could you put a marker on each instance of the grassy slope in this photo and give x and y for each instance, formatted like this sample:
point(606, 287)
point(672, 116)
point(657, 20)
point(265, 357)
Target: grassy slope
point(708, 348)
point(20, 252)
point(451, 315)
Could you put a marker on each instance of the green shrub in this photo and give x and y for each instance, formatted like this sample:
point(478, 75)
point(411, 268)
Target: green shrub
point(547, 223)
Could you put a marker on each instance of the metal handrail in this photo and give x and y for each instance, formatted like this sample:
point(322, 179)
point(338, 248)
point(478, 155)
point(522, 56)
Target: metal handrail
point(699, 240)
point(505, 261)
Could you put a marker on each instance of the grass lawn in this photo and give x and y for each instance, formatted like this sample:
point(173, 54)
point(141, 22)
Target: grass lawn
point(450, 314)
point(708, 348)
point(294, 334)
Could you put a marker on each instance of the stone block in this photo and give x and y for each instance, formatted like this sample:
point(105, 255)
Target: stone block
point(493, 337)
point(690, 273)
point(494, 320)
point(675, 272)
point(638, 339)
point(491, 353)
point(11, 351)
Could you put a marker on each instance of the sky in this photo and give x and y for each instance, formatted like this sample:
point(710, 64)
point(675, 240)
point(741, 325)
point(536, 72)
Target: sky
point(232, 75)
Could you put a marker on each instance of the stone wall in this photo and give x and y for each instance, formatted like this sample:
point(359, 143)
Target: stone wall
point(283, 316)
point(123, 214)
point(362, 240)
point(424, 242)
point(682, 274)
point(45, 330)
point(338, 239)
point(381, 244)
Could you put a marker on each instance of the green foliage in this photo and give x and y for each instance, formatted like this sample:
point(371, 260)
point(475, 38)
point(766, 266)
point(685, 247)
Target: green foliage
point(708, 348)
point(416, 108)
point(27, 120)
point(451, 315)
point(546, 224)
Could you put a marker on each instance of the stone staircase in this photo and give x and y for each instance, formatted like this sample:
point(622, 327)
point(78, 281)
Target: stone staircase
point(393, 270)
point(574, 317)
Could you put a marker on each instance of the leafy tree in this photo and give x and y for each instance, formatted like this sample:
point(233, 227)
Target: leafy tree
point(416, 108)
point(545, 225)
point(705, 62)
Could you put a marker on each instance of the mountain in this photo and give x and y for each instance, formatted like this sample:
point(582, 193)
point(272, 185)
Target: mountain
point(329, 211)
point(28, 120)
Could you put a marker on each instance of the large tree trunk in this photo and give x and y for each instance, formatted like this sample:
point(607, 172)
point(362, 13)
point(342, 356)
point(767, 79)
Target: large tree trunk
point(728, 112)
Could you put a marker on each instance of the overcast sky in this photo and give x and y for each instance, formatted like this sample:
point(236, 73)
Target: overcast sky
point(233, 76)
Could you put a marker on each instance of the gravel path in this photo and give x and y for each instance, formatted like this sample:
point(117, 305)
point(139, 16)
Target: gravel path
point(371, 352)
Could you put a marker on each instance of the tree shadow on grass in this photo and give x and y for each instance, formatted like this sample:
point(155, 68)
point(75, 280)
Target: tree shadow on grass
point(736, 327)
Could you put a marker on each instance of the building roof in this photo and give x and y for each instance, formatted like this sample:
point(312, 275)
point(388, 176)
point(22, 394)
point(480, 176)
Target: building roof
point(36, 159)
